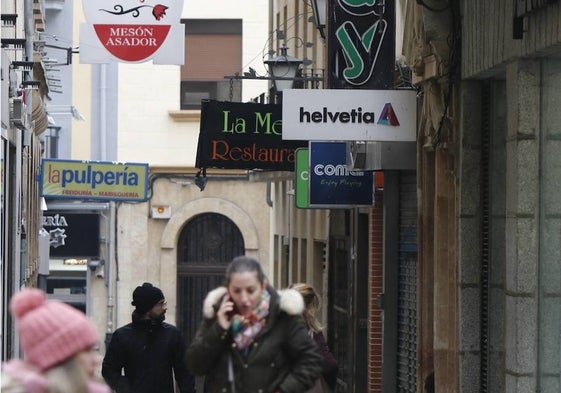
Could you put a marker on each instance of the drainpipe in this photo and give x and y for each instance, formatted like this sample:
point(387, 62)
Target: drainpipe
point(269, 192)
point(111, 310)
point(24, 139)
point(103, 112)
point(19, 254)
point(271, 19)
point(29, 27)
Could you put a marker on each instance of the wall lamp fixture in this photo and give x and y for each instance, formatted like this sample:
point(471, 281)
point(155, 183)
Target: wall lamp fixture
point(201, 179)
point(31, 84)
point(93, 264)
point(319, 8)
point(23, 65)
point(283, 71)
point(9, 20)
point(13, 43)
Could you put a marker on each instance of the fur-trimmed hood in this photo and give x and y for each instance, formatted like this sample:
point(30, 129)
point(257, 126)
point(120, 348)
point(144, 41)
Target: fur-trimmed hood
point(282, 356)
point(290, 301)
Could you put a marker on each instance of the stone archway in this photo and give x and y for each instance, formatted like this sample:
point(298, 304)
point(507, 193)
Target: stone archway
point(172, 232)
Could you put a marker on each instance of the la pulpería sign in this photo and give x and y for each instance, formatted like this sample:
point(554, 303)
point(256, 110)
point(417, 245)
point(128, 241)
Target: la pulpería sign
point(94, 180)
point(237, 135)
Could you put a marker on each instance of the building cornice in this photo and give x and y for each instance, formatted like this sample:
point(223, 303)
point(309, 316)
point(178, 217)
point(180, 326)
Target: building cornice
point(185, 115)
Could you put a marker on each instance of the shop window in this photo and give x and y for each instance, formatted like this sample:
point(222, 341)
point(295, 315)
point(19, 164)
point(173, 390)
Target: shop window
point(68, 283)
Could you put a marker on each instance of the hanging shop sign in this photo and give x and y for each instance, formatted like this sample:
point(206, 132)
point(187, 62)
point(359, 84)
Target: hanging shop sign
point(349, 115)
point(236, 135)
point(361, 44)
point(72, 235)
point(133, 32)
point(94, 180)
point(302, 178)
point(331, 183)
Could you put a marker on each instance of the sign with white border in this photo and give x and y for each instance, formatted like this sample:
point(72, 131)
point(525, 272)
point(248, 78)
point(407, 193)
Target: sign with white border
point(349, 115)
point(94, 180)
point(132, 32)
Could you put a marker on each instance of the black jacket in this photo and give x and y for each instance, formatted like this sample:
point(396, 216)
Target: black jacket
point(148, 351)
point(329, 367)
point(282, 358)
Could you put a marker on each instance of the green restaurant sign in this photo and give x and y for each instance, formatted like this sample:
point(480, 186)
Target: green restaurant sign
point(94, 180)
point(301, 181)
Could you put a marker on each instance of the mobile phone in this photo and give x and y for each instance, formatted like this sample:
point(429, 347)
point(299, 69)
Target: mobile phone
point(233, 311)
point(230, 314)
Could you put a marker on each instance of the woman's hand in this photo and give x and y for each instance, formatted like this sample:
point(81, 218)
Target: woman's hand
point(225, 312)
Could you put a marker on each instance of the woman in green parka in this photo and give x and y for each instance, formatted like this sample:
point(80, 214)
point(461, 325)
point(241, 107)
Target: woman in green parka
point(252, 338)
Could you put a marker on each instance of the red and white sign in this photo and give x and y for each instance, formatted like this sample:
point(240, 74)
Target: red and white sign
point(132, 32)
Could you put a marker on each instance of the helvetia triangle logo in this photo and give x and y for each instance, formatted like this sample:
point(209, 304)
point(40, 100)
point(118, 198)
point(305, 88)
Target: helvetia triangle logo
point(388, 116)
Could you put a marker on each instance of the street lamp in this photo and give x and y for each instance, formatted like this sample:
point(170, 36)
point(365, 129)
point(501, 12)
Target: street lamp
point(283, 69)
point(319, 8)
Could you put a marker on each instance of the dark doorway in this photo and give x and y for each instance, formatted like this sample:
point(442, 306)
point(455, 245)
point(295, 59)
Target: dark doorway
point(340, 332)
point(206, 245)
point(348, 298)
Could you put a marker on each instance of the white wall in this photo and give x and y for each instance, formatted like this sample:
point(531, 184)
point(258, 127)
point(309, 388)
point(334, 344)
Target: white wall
point(147, 92)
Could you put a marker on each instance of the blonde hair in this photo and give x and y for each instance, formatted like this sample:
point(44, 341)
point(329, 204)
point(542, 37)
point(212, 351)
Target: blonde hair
point(67, 377)
point(312, 303)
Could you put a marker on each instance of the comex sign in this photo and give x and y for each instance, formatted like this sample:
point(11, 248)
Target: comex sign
point(335, 170)
point(329, 183)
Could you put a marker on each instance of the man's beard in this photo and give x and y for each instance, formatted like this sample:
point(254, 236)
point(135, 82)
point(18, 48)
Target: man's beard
point(159, 319)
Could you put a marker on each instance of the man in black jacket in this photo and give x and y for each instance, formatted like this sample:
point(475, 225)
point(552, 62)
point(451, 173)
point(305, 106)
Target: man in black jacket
point(143, 356)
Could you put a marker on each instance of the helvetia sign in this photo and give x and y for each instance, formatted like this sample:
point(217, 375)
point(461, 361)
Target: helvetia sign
point(349, 115)
point(132, 31)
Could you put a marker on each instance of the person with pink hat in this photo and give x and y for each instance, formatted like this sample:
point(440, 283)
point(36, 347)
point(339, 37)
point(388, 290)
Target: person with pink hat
point(59, 345)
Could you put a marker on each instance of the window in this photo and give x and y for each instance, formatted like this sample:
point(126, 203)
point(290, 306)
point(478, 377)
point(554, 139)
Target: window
point(213, 49)
point(68, 283)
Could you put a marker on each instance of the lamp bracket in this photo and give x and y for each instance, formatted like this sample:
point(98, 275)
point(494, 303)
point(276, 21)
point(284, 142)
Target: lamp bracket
point(276, 78)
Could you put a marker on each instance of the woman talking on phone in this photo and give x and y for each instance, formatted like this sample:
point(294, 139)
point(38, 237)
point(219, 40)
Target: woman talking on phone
point(252, 338)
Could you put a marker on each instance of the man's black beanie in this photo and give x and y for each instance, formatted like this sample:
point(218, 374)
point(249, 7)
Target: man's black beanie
point(145, 297)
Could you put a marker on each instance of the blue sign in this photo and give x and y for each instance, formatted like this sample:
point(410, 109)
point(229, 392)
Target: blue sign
point(332, 184)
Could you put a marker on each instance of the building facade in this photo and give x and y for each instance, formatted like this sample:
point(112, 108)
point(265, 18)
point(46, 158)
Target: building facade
point(488, 292)
point(23, 120)
point(183, 236)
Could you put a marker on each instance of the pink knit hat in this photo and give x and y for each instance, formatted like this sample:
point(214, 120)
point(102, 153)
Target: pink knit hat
point(50, 331)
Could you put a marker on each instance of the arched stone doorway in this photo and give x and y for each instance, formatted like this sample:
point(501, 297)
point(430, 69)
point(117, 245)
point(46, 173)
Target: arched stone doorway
point(205, 246)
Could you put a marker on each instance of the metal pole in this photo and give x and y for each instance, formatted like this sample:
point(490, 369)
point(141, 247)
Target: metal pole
point(103, 112)
point(109, 266)
point(29, 28)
